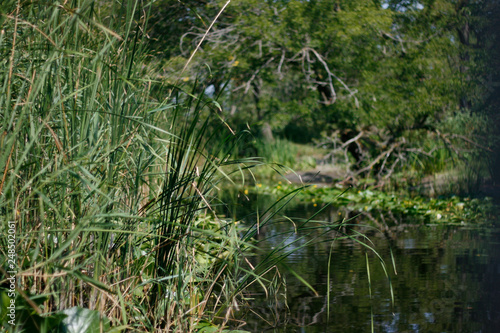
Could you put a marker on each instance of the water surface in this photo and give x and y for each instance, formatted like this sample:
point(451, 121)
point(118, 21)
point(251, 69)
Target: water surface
point(444, 278)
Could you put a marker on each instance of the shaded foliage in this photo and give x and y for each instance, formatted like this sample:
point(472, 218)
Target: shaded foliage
point(406, 72)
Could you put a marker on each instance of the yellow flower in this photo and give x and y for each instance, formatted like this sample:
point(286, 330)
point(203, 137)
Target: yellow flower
point(313, 200)
point(246, 191)
point(279, 182)
point(278, 187)
point(315, 186)
point(259, 185)
point(315, 205)
point(185, 79)
point(235, 63)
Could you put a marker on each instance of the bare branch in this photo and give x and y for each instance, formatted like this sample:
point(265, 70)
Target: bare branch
point(397, 39)
point(327, 69)
point(391, 170)
point(470, 141)
point(421, 151)
point(281, 64)
point(356, 138)
point(330, 75)
point(343, 146)
point(254, 75)
point(401, 41)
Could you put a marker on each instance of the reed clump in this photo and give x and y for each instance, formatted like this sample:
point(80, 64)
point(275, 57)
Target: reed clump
point(106, 175)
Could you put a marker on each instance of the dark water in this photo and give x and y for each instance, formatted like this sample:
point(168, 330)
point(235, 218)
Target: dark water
point(444, 279)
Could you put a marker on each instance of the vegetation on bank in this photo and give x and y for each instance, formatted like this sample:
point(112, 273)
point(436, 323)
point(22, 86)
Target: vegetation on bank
point(385, 86)
point(107, 175)
point(384, 208)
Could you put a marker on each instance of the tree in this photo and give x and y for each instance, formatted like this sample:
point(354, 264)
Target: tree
point(384, 78)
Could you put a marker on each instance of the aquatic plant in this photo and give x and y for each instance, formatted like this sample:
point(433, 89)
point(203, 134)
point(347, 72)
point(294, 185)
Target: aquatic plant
point(396, 205)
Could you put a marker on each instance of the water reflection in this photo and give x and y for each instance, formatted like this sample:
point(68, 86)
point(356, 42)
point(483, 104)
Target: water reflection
point(445, 279)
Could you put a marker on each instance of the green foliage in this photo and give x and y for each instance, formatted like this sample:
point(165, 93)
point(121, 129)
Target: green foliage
point(461, 210)
point(76, 147)
point(403, 70)
point(278, 151)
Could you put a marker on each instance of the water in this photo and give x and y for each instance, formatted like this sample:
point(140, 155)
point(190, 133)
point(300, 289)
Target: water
point(444, 278)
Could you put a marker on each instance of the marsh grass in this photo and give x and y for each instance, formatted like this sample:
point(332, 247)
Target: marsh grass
point(109, 185)
point(84, 147)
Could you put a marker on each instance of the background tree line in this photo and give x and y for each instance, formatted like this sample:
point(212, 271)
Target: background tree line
point(389, 83)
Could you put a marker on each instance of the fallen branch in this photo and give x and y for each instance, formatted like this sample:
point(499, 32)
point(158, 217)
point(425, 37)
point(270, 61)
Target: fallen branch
point(471, 142)
point(356, 138)
point(379, 157)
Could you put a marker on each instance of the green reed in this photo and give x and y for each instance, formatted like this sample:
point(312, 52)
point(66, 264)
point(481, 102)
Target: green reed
point(108, 184)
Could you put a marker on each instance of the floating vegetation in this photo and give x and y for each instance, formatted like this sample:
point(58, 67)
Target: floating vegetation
point(452, 209)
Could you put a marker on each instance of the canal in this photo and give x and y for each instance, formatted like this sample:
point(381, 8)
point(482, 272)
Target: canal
point(423, 278)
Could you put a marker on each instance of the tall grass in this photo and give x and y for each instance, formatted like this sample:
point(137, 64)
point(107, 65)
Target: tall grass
point(109, 187)
point(83, 149)
point(108, 176)
point(75, 149)
point(278, 151)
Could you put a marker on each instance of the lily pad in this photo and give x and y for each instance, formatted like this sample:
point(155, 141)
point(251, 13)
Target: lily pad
point(81, 320)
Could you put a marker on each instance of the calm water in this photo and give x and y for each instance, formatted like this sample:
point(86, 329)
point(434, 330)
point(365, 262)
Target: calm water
point(445, 279)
